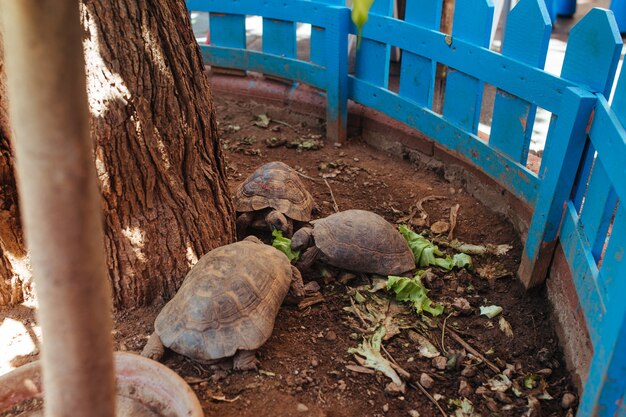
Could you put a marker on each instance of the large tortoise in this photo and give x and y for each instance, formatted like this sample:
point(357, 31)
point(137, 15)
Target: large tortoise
point(356, 240)
point(226, 305)
point(272, 197)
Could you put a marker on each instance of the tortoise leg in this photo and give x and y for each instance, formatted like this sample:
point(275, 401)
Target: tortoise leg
point(297, 285)
point(277, 220)
point(243, 221)
point(302, 239)
point(154, 348)
point(245, 360)
point(308, 258)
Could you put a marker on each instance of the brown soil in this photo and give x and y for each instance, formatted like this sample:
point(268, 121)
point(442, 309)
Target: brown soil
point(306, 365)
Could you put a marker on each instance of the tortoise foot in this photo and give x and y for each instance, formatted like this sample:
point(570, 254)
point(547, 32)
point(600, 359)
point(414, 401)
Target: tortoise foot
point(154, 348)
point(245, 360)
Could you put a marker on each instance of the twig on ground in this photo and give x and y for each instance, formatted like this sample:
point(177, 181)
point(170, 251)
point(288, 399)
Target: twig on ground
point(411, 381)
point(308, 178)
point(335, 206)
point(418, 208)
point(454, 211)
point(417, 385)
point(358, 313)
point(443, 335)
point(473, 351)
point(280, 122)
point(395, 364)
point(309, 301)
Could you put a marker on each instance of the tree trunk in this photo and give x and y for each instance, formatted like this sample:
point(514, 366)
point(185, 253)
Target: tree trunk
point(157, 155)
point(15, 274)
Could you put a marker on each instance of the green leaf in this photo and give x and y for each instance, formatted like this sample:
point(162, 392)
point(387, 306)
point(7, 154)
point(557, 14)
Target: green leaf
point(530, 381)
point(412, 290)
point(426, 253)
point(283, 244)
point(490, 311)
point(370, 350)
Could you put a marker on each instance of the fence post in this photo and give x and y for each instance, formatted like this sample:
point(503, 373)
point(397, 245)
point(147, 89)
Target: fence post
point(591, 60)
point(336, 50)
point(561, 159)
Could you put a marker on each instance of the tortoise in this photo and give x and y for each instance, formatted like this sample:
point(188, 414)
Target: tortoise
point(355, 240)
point(272, 197)
point(226, 305)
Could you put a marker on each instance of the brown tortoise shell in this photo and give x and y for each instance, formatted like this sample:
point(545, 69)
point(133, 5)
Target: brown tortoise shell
point(275, 185)
point(362, 241)
point(227, 302)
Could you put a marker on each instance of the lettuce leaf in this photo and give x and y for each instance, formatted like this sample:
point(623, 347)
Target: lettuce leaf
point(283, 244)
point(412, 290)
point(428, 254)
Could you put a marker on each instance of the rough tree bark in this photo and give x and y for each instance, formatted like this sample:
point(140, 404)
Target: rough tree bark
point(14, 270)
point(156, 150)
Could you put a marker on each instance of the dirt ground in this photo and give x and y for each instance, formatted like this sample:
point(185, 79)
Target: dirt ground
point(306, 369)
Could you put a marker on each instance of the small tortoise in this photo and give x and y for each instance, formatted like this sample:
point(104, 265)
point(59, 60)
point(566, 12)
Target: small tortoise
point(272, 197)
point(226, 305)
point(356, 240)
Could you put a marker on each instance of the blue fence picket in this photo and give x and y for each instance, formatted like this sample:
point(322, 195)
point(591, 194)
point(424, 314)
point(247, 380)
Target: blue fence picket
point(372, 57)
point(463, 97)
point(279, 37)
point(591, 59)
point(318, 42)
point(336, 58)
point(527, 36)
point(417, 73)
point(564, 146)
point(597, 210)
point(228, 30)
point(605, 386)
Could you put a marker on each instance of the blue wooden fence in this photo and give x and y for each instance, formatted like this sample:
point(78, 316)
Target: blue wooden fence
point(577, 194)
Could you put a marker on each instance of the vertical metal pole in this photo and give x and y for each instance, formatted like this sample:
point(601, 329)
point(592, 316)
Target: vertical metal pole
point(60, 203)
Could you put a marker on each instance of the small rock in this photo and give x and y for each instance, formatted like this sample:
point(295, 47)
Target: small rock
point(465, 389)
point(330, 335)
point(393, 389)
point(462, 305)
point(385, 408)
point(341, 385)
point(426, 380)
point(439, 227)
point(468, 372)
point(440, 362)
point(568, 400)
point(414, 413)
point(302, 408)
point(314, 363)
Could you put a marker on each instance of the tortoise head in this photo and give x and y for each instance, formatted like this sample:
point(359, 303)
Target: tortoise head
point(277, 221)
